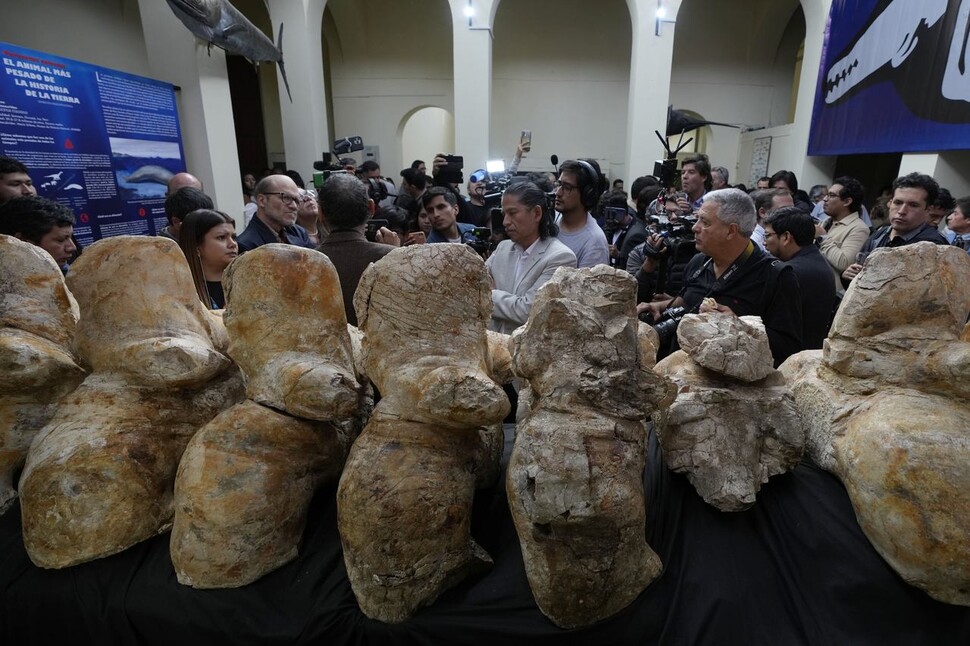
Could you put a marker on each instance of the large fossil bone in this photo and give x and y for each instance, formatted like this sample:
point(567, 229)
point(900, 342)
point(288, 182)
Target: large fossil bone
point(734, 423)
point(246, 479)
point(885, 404)
point(99, 476)
point(38, 318)
point(405, 496)
point(574, 479)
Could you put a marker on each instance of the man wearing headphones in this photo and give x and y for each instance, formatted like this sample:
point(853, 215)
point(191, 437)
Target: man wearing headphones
point(577, 191)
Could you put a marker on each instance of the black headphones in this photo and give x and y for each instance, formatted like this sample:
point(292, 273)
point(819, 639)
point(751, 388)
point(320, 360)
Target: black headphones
point(589, 187)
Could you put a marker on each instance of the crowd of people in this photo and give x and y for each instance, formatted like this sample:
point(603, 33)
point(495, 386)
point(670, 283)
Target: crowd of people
point(774, 251)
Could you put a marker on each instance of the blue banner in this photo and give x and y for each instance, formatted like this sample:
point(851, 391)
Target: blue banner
point(894, 77)
point(103, 142)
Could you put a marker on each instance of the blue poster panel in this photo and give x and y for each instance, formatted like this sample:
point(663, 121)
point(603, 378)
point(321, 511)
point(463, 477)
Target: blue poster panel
point(102, 142)
point(894, 77)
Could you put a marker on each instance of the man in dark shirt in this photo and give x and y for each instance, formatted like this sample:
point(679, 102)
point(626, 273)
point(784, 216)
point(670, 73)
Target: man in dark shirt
point(477, 212)
point(741, 277)
point(790, 237)
point(277, 201)
point(178, 205)
point(345, 206)
point(909, 219)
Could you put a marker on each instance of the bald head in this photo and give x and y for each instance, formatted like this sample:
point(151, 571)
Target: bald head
point(181, 180)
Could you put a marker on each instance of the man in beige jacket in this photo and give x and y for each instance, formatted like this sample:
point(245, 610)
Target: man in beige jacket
point(844, 233)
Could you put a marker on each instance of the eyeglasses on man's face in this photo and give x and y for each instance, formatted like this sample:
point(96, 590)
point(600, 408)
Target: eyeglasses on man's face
point(566, 187)
point(285, 197)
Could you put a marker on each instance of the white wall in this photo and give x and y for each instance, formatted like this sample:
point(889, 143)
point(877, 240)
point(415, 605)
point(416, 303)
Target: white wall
point(563, 71)
point(734, 62)
point(392, 58)
point(425, 133)
point(101, 32)
point(951, 169)
point(783, 150)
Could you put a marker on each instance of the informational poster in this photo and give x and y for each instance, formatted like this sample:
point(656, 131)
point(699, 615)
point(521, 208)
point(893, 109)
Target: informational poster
point(894, 77)
point(102, 142)
point(759, 159)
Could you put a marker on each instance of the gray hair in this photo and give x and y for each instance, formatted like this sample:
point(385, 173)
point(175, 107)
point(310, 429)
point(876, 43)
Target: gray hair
point(723, 172)
point(734, 206)
point(344, 201)
point(764, 197)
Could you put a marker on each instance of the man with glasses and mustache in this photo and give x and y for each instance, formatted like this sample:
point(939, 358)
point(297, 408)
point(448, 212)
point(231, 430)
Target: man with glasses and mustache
point(277, 203)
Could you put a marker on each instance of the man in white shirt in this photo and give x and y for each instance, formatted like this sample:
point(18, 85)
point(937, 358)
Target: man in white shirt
point(765, 202)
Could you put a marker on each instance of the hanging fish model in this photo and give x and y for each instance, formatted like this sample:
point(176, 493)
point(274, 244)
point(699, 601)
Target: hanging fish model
point(219, 23)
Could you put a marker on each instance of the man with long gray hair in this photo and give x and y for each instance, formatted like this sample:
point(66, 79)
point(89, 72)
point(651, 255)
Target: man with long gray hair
point(733, 275)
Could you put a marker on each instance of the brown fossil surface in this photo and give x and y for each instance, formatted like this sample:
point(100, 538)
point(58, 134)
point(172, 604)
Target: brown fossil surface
point(38, 320)
point(99, 476)
point(405, 497)
point(246, 479)
point(885, 403)
point(575, 477)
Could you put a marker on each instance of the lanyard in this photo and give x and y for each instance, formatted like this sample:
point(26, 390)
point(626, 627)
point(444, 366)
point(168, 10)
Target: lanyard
point(722, 281)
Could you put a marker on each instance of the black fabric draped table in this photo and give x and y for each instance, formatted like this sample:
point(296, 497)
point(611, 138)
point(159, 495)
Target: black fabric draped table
point(793, 569)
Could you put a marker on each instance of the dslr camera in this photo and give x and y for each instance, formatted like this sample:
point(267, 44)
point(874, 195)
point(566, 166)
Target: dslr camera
point(666, 327)
point(480, 240)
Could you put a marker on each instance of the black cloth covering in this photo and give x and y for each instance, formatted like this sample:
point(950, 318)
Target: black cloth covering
point(793, 569)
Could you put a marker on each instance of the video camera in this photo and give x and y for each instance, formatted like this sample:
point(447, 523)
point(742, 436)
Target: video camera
point(665, 170)
point(326, 166)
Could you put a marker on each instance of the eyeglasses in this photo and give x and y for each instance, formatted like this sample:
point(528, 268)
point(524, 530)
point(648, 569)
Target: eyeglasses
point(832, 195)
point(285, 197)
point(566, 187)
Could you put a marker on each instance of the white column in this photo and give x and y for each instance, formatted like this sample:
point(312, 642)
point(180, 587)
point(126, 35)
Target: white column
point(305, 134)
point(814, 170)
point(205, 108)
point(951, 169)
point(473, 80)
point(650, 65)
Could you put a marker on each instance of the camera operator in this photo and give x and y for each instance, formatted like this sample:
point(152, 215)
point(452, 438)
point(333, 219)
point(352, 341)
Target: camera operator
point(478, 212)
point(447, 174)
point(660, 261)
point(740, 277)
point(523, 263)
point(623, 230)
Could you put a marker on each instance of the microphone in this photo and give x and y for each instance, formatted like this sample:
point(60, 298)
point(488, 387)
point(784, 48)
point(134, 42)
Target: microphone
point(555, 162)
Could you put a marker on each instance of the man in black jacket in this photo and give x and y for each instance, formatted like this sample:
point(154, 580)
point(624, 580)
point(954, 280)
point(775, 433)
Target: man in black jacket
point(790, 237)
point(909, 219)
point(277, 201)
point(737, 274)
point(346, 206)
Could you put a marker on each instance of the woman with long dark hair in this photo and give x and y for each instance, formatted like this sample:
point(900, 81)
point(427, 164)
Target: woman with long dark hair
point(523, 263)
point(208, 240)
